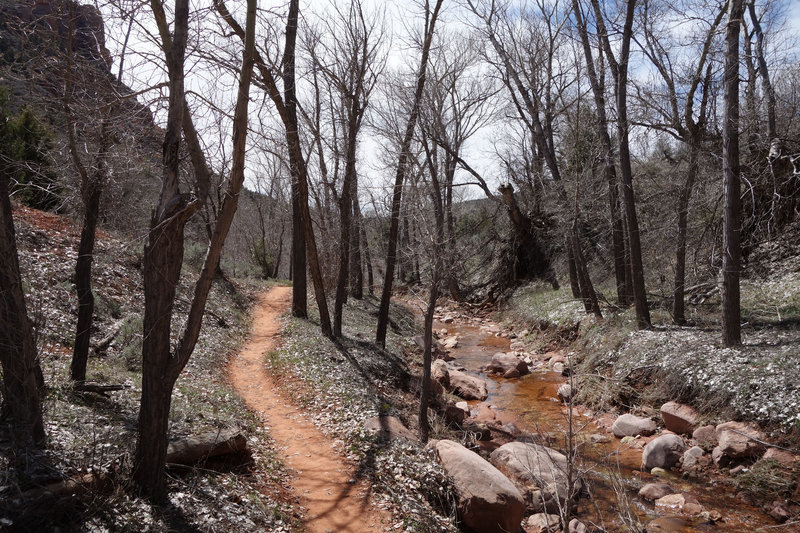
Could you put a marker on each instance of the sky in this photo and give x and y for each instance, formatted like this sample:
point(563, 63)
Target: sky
point(143, 69)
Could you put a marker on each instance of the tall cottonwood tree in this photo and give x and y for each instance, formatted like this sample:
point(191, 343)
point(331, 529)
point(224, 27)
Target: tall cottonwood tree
point(527, 56)
point(431, 16)
point(162, 363)
point(304, 244)
point(679, 84)
point(731, 187)
point(618, 62)
point(596, 77)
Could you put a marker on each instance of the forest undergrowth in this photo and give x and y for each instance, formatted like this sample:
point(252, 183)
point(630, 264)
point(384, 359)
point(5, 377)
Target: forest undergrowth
point(94, 433)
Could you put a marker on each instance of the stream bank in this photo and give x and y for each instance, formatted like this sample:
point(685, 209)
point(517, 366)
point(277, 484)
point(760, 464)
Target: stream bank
point(528, 408)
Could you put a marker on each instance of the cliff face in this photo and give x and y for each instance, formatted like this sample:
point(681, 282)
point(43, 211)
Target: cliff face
point(37, 69)
point(32, 20)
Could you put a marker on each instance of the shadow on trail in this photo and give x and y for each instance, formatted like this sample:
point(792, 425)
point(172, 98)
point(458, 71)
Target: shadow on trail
point(392, 368)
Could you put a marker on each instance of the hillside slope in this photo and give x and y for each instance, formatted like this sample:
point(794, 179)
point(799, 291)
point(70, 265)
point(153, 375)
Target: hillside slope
point(91, 433)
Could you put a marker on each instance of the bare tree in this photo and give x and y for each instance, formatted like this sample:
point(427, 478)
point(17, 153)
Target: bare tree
point(402, 161)
point(731, 187)
point(677, 116)
point(348, 56)
point(303, 241)
point(619, 71)
point(597, 82)
point(96, 85)
point(536, 83)
point(161, 362)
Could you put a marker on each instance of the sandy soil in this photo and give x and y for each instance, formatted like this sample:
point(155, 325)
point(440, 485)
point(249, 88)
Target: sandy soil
point(323, 482)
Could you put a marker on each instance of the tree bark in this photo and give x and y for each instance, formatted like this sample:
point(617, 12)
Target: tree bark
point(427, 359)
point(83, 281)
point(298, 267)
point(678, 300)
point(163, 255)
point(397, 193)
point(573, 272)
point(356, 267)
point(368, 260)
point(21, 405)
point(731, 233)
point(629, 202)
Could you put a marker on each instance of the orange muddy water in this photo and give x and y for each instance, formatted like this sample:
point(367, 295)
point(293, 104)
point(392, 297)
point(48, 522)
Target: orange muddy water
point(530, 403)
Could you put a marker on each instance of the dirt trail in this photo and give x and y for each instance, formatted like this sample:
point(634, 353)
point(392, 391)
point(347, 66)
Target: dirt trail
point(323, 478)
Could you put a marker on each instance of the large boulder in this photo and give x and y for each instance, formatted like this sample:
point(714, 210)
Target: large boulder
point(632, 425)
point(679, 418)
point(540, 472)
point(685, 504)
point(467, 386)
point(653, 491)
point(663, 452)
point(505, 362)
point(440, 372)
point(487, 500)
point(737, 441)
point(388, 428)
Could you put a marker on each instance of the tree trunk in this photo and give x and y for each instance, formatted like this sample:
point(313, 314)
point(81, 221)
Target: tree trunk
point(678, 303)
point(356, 268)
point(277, 268)
point(345, 213)
point(151, 446)
point(588, 294)
point(298, 270)
point(573, 271)
point(368, 259)
point(83, 281)
point(609, 167)
point(163, 254)
point(397, 193)
point(427, 359)
point(629, 202)
point(731, 233)
point(20, 391)
point(763, 71)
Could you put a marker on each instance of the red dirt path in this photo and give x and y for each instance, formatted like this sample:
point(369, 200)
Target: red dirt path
point(322, 477)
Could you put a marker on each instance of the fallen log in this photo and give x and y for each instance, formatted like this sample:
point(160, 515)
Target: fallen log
point(75, 486)
point(192, 450)
point(99, 388)
point(106, 341)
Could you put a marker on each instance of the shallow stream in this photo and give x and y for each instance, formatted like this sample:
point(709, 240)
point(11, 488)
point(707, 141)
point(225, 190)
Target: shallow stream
point(612, 469)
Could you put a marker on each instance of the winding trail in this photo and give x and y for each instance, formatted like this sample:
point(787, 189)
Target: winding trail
point(323, 480)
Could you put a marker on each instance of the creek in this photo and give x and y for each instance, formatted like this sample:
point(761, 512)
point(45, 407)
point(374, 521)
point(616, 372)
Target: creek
point(612, 469)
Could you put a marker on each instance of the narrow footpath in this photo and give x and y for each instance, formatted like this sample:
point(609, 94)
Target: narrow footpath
point(332, 501)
